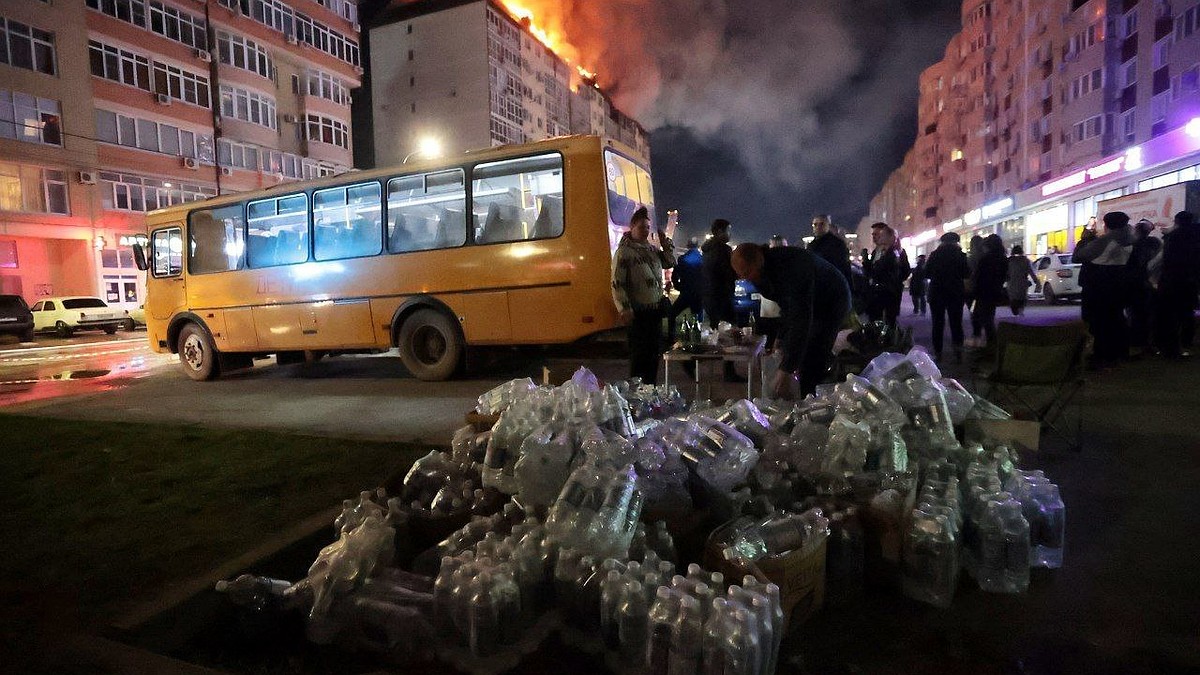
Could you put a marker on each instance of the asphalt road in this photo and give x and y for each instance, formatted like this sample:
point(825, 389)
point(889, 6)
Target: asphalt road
point(119, 378)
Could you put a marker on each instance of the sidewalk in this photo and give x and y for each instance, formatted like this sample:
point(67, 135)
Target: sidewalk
point(1125, 600)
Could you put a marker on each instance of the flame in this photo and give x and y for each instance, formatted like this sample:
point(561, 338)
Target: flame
point(552, 39)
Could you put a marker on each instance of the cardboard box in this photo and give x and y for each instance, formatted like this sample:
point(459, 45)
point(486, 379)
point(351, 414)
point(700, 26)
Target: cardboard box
point(1021, 435)
point(800, 577)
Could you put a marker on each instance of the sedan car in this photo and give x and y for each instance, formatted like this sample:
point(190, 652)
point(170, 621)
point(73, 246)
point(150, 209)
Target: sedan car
point(134, 318)
point(66, 315)
point(1058, 277)
point(15, 318)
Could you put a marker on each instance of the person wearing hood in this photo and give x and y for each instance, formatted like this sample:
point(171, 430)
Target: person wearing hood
point(1104, 260)
point(988, 281)
point(1178, 284)
point(637, 290)
point(1139, 304)
point(1020, 274)
point(947, 271)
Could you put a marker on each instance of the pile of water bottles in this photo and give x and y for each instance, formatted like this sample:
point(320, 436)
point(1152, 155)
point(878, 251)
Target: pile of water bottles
point(550, 520)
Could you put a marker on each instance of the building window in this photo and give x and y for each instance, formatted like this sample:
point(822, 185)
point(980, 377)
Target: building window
point(244, 53)
point(1158, 107)
point(154, 16)
point(1089, 128)
point(238, 155)
point(160, 137)
point(1128, 72)
point(343, 8)
point(326, 86)
point(131, 192)
point(29, 118)
point(119, 65)
point(1162, 52)
point(1187, 22)
point(33, 189)
point(328, 130)
point(1186, 84)
point(1129, 23)
point(180, 84)
point(277, 15)
point(1128, 125)
point(27, 47)
point(1084, 85)
point(248, 106)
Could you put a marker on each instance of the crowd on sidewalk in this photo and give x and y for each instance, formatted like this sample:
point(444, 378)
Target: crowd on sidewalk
point(1139, 291)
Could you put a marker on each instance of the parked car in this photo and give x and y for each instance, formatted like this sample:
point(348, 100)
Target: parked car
point(66, 315)
point(1058, 277)
point(15, 318)
point(135, 317)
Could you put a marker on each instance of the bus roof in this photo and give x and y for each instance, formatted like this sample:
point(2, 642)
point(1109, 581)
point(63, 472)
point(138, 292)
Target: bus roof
point(415, 167)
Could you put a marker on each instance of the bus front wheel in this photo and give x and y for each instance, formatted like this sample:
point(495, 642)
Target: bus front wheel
point(196, 353)
point(429, 345)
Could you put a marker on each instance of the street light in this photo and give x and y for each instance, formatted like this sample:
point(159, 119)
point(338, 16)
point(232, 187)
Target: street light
point(428, 147)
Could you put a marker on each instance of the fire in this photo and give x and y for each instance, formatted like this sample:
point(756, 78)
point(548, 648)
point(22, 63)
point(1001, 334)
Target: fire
point(552, 39)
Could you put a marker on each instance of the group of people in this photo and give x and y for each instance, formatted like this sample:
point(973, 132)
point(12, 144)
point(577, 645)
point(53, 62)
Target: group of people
point(810, 286)
point(1139, 292)
point(950, 281)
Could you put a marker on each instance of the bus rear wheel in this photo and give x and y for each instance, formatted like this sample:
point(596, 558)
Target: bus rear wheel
point(197, 355)
point(429, 345)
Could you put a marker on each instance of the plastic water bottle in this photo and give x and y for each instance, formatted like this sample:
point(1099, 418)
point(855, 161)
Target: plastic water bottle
point(662, 618)
point(686, 632)
point(1048, 529)
point(632, 625)
point(930, 572)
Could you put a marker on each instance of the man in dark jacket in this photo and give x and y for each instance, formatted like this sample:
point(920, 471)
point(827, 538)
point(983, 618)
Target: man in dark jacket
point(718, 275)
point(917, 288)
point(814, 299)
point(1178, 285)
point(1139, 305)
point(719, 281)
point(1104, 260)
point(827, 244)
point(687, 277)
point(947, 271)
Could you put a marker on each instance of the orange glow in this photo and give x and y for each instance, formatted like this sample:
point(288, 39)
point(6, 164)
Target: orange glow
point(554, 40)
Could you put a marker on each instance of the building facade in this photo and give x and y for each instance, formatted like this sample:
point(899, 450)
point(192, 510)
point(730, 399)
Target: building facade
point(112, 108)
point(1042, 108)
point(471, 76)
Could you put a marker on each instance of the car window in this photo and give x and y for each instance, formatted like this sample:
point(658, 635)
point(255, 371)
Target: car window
point(83, 303)
point(49, 306)
point(11, 302)
point(37, 307)
point(1043, 263)
point(1064, 259)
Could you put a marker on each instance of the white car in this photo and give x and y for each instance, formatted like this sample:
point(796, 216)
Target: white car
point(134, 317)
point(1058, 277)
point(66, 315)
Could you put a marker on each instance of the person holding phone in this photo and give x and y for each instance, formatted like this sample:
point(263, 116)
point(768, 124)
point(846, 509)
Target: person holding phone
point(637, 290)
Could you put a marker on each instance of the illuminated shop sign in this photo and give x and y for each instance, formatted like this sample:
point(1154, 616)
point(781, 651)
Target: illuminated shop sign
point(135, 239)
point(1130, 161)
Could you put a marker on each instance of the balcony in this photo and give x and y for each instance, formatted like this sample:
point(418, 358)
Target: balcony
point(1128, 97)
point(1163, 27)
point(1129, 48)
point(1162, 80)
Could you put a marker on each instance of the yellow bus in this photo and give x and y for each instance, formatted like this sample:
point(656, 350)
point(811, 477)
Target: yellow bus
point(507, 246)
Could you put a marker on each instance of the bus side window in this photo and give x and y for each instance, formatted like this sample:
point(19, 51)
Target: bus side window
point(518, 199)
point(346, 222)
point(427, 212)
point(278, 231)
point(215, 240)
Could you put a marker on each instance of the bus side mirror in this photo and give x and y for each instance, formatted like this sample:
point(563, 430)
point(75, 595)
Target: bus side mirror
point(139, 257)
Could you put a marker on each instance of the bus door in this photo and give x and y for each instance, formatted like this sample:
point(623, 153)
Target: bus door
point(166, 271)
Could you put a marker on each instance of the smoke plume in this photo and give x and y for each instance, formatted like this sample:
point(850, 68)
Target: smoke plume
point(798, 92)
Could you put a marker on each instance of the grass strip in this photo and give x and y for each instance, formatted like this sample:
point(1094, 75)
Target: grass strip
point(101, 515)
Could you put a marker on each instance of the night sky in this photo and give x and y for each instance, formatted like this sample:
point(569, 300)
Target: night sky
point(808, 107)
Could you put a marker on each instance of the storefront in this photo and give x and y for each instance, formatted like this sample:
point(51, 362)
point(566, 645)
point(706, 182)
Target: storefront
point(1046, 230)
point(121, 284)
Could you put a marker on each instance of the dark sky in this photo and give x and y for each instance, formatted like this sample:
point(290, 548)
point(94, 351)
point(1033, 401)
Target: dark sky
point(765, 112)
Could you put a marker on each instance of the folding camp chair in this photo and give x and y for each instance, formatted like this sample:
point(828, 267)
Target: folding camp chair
point(1039, 372)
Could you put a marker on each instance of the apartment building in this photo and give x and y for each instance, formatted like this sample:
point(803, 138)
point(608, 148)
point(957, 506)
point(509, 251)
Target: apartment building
point(1040, 109)
point(471, 76)
point(112, 108)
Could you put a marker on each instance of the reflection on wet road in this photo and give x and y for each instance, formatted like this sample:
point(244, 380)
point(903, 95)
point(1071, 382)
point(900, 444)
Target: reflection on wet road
point(71, 370)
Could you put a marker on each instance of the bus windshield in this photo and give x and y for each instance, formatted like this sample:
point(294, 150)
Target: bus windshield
point(629, 187)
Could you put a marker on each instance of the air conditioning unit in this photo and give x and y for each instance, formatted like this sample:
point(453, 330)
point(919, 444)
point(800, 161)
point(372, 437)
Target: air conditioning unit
point(291, 119)
point(293, 40)
point(203, 55)
point(190, 163)
point(226, 171)
point(86, 177)
point(356, 28)
point(163, 99)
